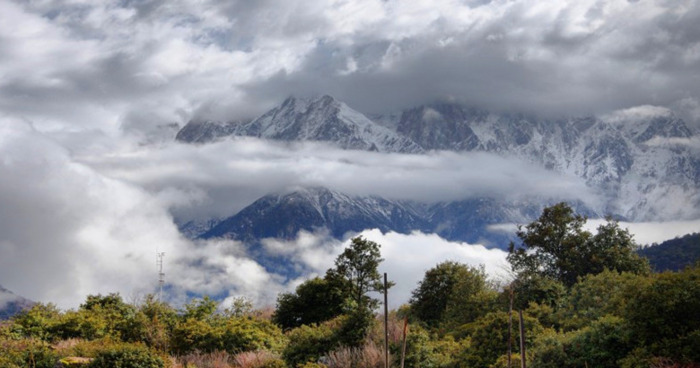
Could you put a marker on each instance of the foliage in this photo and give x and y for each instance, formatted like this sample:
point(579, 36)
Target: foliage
point(602, 344)
point(488, 338)
point(664, 315)
point(354, 327)
point(556, 246)
point(127, 356)
point(356, 269)
point(535, 288)
point(674, 254)
point(472, 297)
point(233, 335)
point(446, 290)
point(426, 350)
point(26, 352)
point(36, 321)
point(308, 343)
point(315, 301)
point(597, 295)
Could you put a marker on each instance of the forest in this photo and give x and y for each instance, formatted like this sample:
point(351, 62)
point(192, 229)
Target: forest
point(581, 299)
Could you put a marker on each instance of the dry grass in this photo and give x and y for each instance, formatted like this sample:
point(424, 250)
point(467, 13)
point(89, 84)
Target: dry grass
point(218, 359)
point(254, 359)
point(367, 356)
point(669, 363)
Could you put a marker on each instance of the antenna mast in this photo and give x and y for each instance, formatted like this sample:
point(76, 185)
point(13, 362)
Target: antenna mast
point(161, 275)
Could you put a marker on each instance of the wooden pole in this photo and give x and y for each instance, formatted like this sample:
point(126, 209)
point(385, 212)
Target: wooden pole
point(405, 337)
point(522, 340)
point(386, 324)
point(510, 328)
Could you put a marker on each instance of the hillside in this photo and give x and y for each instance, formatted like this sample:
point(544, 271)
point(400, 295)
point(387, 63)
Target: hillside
point(674, 254)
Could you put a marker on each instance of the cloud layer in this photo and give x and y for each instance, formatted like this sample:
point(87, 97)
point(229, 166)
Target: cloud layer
point(85, 203)
point(110, 64)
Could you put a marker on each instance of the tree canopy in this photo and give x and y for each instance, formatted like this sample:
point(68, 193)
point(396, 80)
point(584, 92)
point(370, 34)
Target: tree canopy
point(556, 246)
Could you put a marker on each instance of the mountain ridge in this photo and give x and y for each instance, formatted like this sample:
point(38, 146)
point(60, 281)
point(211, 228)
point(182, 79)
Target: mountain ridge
point(637, 160)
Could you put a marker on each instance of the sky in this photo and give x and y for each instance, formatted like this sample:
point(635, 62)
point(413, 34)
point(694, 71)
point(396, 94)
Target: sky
point(91, 93)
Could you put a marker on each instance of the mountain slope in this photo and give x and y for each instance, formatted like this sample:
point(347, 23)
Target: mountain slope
point(11, 304)
point(673, 254)
point(323, 120)
point(310, 209)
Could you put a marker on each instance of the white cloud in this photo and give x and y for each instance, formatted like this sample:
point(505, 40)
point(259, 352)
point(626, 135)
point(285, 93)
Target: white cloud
point(647, 233)
point(224, 177)
point(408, 256)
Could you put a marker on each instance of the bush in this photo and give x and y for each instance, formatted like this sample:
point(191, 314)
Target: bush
point(26, 353)
point(602, 344)
point(127, 356)
point(308, 344)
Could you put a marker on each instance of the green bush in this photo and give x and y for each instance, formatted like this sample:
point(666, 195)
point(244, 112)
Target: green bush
point(26, 353)
point(308, 344)
point(127, 356)
point(602, 344)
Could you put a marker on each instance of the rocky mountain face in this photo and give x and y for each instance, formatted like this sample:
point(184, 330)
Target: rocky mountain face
point(644, 166)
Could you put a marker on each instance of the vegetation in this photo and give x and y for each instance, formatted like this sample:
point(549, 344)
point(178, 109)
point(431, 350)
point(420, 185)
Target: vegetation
point(674, 254)
point(587, 301)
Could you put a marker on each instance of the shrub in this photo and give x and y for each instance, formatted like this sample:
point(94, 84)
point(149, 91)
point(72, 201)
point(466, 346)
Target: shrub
point(127, 356)
point(602, 344)
point(308, 344)
point(26, 353)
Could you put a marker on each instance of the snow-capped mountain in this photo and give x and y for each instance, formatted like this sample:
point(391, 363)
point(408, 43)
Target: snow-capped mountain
point(324, 120)
point(638, 163)
point(642, 162)
point(284, 215)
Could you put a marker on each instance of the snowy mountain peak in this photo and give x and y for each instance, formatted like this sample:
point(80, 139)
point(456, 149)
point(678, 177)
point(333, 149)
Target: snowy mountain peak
point(322, 119)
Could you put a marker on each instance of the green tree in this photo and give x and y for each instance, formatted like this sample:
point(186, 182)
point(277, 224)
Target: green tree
point(356, 271)
point(429, 300)
point(314, 301)
point(488, 337)
point(556, 246)
point(664, 315)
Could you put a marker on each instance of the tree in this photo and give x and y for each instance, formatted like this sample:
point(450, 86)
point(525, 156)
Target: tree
point(556, 246)
point(314, 301)
point(451, 291)
point(356, 270)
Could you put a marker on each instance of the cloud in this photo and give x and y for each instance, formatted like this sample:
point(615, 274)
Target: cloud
point(408, 256)
point(221, 178)
point(84, 207)
point(647, 233)
point(75, 65)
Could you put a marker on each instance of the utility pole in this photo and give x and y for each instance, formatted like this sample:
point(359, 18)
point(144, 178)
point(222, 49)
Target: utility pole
point(386, 325)
point(161, 275)
point(522, 340)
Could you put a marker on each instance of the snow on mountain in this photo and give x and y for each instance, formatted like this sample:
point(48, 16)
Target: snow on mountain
point(284, 215)
point(638, 160)
point(624, 158)
point(323, 119)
